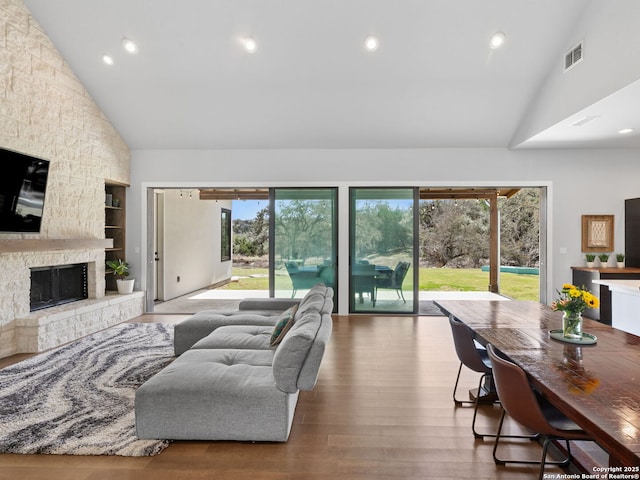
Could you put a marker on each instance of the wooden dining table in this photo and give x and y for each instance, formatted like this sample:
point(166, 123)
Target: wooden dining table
point(597, 386)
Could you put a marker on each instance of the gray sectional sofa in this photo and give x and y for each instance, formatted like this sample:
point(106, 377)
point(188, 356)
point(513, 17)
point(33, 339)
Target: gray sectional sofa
point(228, 383)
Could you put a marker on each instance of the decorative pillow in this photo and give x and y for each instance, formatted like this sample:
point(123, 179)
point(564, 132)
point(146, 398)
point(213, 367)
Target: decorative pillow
point(284, 323)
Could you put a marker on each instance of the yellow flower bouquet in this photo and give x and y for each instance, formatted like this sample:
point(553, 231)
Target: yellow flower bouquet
point(573, 301)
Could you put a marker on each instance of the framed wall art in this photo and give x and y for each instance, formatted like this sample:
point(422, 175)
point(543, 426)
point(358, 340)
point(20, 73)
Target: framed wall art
point(597, 233)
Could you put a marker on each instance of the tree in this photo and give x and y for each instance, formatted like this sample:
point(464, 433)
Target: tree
point(395, 228)
point(251, 237)
point(382, 229)
point(520, 228)
point(260, 232)
point(243, 246)
point(454, 233)
point(303, 229)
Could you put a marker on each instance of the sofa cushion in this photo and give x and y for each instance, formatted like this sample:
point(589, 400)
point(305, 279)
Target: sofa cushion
point(319, 299)
point(311, 367)
point(293, 350)
point(275, 305)
point(285, 322)
point(243, 337)
point(297, 359)
point(201, 324)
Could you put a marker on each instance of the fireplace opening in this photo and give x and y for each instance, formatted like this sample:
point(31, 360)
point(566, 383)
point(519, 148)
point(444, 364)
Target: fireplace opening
point(57, 285)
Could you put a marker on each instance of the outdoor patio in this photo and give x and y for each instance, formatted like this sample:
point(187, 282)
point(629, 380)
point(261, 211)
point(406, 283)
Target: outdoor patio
point(223, 299)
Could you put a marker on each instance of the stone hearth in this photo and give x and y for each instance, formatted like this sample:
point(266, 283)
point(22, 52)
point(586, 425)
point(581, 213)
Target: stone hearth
point(51, 327)
point(22, 331)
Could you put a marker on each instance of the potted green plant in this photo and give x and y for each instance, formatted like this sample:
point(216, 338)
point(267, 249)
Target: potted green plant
point(620, 260)
point(120, 268)
point(590, 258)
point(604, 259)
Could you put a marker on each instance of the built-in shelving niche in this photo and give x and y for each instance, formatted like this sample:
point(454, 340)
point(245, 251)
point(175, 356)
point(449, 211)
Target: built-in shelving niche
point(115, 225)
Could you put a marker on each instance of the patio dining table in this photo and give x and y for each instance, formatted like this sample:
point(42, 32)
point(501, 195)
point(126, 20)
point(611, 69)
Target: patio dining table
point(364, 279)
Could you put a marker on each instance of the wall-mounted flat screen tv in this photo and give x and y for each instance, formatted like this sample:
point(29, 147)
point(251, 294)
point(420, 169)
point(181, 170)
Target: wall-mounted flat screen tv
point(23, 183)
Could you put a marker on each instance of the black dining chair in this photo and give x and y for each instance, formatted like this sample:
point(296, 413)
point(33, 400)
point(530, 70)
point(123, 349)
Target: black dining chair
point(474, 357)
point(531, 410)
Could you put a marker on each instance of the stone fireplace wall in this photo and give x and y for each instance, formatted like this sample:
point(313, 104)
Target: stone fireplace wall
point(46, 112)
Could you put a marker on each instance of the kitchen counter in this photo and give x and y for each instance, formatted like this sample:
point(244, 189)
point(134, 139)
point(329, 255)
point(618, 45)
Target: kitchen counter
point(625, 304)
point(585, 276)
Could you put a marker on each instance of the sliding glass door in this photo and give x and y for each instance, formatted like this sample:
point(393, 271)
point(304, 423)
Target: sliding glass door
point(303, 239)
point(382, 269)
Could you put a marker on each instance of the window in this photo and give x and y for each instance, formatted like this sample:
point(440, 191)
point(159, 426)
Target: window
point(303, 240)
point(225, 235)
point(383, 250)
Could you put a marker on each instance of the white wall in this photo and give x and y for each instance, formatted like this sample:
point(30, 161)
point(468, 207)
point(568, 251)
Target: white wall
point(580, 182)
point(191, 244)
point(602, 71)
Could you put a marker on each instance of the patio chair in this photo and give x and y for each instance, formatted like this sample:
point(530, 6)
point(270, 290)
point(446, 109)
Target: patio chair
point(364, 275)
point(394, 281)
point(302, 278)
point(327, 274)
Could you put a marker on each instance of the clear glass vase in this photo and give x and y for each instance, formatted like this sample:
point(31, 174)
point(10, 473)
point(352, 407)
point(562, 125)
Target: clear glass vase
point(572, 325)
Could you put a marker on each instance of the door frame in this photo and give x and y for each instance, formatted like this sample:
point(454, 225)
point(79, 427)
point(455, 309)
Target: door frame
point(335, 237)
point(158, 245)
point(415, 249)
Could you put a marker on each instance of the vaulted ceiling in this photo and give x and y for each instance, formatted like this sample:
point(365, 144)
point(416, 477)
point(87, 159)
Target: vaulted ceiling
point(433, 81)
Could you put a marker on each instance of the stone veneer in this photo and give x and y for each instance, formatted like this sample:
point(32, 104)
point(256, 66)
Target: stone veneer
point(46, 112)
point(54, 326)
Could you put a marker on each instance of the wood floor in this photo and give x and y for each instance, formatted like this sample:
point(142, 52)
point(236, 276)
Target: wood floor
point(382, 409)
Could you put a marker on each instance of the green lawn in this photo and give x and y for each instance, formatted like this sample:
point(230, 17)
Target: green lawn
point(249, 279)
point(519, 287)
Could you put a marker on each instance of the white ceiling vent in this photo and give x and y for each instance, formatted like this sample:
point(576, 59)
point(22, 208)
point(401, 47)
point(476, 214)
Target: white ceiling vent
point(573, 56)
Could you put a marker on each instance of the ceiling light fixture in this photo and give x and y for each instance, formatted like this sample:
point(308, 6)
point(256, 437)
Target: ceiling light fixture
point(129, 45)
point(371, 43)
point(497, 40)
point(108, 59)
point(584, 120)
point(250, 45)
point(624, 131)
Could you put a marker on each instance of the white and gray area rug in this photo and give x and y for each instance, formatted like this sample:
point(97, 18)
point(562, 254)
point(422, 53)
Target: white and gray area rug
point(79, 399)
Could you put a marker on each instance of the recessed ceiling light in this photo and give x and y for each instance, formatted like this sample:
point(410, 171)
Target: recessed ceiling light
point(129, 45)
point(250, 45)
point(371, 43)
point(625, 130)
point(584, 120)
point(497, 40)
point(108, 59)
